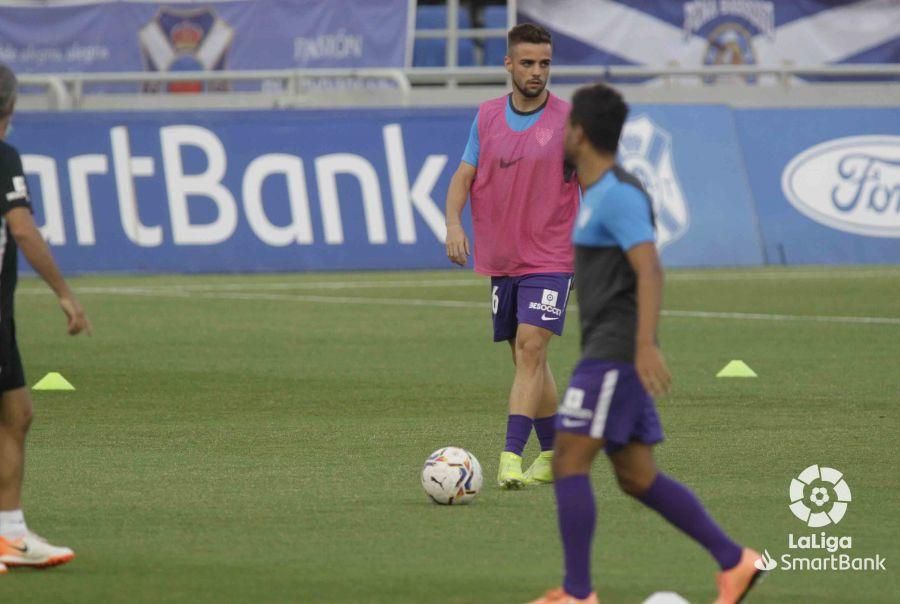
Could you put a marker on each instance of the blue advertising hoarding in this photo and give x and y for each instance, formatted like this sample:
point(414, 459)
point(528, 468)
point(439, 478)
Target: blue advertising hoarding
point(688, 159)
point(220, 191)
point(826, 183)
point(241, 191)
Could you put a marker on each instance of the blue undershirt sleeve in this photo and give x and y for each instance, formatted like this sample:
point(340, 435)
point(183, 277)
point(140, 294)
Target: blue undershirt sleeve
point(470, 155)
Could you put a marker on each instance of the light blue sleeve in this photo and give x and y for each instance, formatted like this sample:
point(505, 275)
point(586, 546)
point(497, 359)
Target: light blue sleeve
point(470, 155)
point(625, 214)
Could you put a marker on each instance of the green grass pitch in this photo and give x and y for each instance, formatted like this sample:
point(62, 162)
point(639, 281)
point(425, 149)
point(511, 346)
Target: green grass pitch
point(259, 438)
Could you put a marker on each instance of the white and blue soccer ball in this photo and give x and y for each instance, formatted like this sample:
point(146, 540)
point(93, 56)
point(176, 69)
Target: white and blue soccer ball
point(451, 476)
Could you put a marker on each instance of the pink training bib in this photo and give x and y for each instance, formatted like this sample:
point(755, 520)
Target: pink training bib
point(522, 208)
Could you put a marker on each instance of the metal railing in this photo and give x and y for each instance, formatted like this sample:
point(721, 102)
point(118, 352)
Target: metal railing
point(68, 90)
point(291, 88)
point(452, 33)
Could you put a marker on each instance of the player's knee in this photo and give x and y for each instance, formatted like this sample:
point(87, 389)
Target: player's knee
point(633, 483)
point(530, 352)
point(18, 420)
point(568, 461)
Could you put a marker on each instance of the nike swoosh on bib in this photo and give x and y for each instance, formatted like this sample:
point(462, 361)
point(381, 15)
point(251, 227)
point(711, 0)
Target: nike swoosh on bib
point(507, 164)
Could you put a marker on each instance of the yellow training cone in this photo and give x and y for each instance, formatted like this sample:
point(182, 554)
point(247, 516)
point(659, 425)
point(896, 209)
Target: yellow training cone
point(53, 381)
point(736, 369)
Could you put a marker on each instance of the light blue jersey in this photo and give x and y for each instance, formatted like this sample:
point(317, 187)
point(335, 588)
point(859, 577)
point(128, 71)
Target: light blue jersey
point(613, 214)
point(616, 215)
point(516, 120)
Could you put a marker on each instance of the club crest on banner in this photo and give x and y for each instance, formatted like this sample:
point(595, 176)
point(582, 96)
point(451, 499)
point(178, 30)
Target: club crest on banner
point(729, 27)
point(186, 40)
point(645, 150)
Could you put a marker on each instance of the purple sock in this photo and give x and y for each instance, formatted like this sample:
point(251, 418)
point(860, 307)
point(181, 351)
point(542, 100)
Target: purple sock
point(577, 515)
point(518, 427)
point(677, 504)
point(545, 428)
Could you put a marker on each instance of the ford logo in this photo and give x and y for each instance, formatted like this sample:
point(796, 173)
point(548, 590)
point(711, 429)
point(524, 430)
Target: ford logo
point(851, 184)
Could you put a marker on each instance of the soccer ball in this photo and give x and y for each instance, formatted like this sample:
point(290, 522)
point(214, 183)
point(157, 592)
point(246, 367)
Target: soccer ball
point(451, 476)
point(665, 597)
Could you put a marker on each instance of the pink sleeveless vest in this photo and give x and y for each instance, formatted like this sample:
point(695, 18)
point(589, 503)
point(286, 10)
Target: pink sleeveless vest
point(522, 208)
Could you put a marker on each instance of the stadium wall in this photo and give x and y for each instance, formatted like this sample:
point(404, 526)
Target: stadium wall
point(363, 189)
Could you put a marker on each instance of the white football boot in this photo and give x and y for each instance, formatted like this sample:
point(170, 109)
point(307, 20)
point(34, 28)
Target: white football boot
point(32, 550)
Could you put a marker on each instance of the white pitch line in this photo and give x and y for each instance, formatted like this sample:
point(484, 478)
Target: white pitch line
point(700, 314)
point(784, 275)
point(367, 301)
point(280, 286)
point(477, 282)
point(348, 300)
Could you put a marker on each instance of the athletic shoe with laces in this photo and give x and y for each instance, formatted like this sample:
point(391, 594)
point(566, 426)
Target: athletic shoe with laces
point(736, 582)
point(32, 550)
point(541, 471)
point(559, 596)
point(509, 476)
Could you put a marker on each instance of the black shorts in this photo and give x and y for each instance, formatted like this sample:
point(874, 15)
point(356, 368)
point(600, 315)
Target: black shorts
point(12, 374)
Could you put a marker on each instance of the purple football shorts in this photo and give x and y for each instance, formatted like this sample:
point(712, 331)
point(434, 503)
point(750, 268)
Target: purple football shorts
point(538, 299)
point(606, 400)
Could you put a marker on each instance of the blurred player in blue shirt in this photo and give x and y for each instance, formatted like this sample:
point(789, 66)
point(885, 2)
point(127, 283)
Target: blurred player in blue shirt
point(609, 403)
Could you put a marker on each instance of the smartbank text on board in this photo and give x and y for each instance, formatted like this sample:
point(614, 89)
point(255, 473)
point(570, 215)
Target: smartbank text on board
point(364, 189)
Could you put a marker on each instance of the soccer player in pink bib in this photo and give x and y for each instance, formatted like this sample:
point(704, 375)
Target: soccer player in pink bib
point(524, 202)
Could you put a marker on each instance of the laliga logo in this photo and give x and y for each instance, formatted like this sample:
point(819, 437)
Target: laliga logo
point(828, 495)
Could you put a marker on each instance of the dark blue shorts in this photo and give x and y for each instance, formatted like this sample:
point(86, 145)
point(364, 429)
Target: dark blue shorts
point(606, 400)
point(538, 299)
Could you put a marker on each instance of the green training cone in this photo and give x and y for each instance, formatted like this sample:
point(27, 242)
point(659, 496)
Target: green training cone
point(53, 381)
point(736, 369)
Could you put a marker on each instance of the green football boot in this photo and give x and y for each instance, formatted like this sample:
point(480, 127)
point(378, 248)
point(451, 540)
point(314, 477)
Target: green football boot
point(541, 471)
point(509, 476)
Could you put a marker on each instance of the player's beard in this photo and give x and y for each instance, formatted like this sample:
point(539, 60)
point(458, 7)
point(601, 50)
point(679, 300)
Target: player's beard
point(530, 94)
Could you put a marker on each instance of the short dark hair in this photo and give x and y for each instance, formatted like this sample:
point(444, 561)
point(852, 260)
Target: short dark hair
point(528, 33)
point(8, 89)
point(600, 111)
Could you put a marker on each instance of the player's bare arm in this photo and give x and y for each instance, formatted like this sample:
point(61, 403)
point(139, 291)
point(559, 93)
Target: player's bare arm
point(649, 362)
point(32, 244)
point(457, 196)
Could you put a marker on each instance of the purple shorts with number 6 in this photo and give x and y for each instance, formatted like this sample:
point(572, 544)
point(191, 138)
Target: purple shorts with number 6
point(606, 400)
point(538, 299)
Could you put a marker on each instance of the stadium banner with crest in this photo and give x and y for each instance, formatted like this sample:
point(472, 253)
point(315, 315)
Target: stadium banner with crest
point(326, 190)
point(58, 37)
point(826, 183)
point(693, 33)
